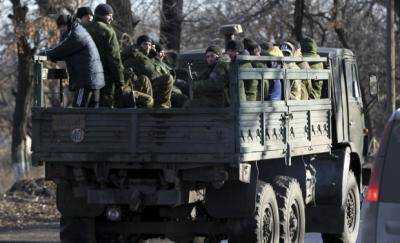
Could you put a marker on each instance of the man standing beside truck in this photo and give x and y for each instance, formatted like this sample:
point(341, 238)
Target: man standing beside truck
point(107, 43)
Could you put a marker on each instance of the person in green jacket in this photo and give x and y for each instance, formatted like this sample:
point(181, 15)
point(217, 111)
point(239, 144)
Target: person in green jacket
point(107, 43)
point(178, 99)
point(211, 89)
point(142, 63)
point(298, 88)
point(248, 89)
point(309, 49)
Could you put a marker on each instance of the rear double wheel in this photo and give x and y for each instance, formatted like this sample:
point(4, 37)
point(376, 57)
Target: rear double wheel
point(263, 226)
point(291, 209)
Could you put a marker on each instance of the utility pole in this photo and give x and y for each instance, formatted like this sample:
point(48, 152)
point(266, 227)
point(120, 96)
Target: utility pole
point(391, 56)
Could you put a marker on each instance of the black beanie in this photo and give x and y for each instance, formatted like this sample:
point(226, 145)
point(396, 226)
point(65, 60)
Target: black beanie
point(64, 19)
point(234, 45)
point(82, 11)
point(103, 9)
point(214, 49)
point(143, 38)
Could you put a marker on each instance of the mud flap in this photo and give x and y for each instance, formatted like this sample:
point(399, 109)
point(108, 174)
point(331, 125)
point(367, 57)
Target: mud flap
point(235, 199)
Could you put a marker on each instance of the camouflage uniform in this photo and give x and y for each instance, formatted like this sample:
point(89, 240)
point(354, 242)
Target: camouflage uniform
point(309, 49)
point(250, 86)
point(107, 43)
point(298, 89)
point(212, 89)
point(161, 80)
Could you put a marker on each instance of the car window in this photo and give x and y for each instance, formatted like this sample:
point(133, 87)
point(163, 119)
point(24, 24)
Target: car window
point(391, 170)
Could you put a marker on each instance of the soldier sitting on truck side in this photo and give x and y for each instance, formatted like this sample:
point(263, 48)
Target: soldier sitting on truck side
point(140, 61)
point(82, 58)
point(211, 88)
point(178, 99)
point(298, 90)
point(309, 49)
point(248, 89)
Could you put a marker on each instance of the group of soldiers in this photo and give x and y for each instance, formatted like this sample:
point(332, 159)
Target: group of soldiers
point(103, 75)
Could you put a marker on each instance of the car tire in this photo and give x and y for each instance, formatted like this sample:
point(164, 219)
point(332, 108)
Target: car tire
point(352, 214)
point(291, 209)
point(264, 225)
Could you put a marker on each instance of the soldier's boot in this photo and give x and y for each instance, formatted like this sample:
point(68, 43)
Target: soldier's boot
point(162, 88)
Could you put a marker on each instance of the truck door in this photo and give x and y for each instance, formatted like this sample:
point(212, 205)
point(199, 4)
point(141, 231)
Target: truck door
point(355, 113)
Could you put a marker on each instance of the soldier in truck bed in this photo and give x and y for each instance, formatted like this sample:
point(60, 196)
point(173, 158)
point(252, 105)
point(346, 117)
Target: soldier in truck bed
point(106, 41)
point(247, 88)
point(141, 62)
point(211, 88)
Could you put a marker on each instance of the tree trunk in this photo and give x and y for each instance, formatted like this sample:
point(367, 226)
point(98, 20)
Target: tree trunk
point(171, 23)
point(298, 19)
point(124, 19)
point(337, 18)
point(23, 97)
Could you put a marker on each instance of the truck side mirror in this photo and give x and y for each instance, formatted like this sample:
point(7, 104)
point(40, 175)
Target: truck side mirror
point(373, 85)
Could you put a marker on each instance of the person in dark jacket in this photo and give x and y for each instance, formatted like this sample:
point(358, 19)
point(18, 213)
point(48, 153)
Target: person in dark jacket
point(107, 43)
point(82, 58)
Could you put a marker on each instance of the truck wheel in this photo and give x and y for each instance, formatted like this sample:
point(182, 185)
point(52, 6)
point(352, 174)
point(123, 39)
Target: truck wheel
point(264, 225)
point(352, 214)
point(291, 209)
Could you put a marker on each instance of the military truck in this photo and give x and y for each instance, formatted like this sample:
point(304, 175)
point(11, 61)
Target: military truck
point(255, 171)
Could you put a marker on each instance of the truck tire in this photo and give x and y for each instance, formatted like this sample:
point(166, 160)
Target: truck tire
point(263, 226)
point(291, 209)
point(352, 214)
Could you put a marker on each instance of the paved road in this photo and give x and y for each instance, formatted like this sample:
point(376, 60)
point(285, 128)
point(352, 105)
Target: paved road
point(50, 235)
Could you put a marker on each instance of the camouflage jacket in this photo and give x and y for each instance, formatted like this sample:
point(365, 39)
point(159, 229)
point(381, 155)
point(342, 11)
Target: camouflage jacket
point(107, 43)
point(139, 62)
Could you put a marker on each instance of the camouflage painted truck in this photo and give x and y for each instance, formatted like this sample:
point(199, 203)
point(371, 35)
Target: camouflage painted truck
point(259, 171)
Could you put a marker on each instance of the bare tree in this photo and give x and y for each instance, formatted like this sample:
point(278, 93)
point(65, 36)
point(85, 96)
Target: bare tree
point(171, 23)
point(338, 22)
point(124, 20)
point(298, 19)
point(23, 96)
